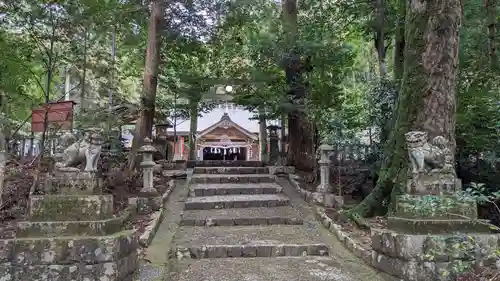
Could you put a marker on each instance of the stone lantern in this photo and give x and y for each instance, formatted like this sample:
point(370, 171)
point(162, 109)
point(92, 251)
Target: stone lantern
point(273, 144)
point(161, 130)
point(324, 166)
point(147, 165)
point(324, 191)
point(161, 138)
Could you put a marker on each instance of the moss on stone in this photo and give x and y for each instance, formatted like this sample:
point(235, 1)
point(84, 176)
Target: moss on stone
point(441, 207)
point(69, 228)
point(436, 226)
point(70, 207)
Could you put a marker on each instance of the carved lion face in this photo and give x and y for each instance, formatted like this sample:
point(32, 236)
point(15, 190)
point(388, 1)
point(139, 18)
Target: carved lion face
point(67, 139)
point(415, 138)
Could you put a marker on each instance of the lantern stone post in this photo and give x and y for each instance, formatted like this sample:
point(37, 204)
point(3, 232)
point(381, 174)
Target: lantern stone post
point(147, 165)
point(273, 144)
point(324, 188)
point(324, 166)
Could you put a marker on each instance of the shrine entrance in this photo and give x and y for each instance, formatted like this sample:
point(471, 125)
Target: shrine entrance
point(226, 140)
point(224, 153)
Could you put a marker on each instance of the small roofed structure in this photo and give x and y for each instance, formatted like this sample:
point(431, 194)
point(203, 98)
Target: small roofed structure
point(227, 132)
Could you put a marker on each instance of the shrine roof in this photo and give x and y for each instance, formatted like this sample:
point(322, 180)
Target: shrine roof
point(239, 116)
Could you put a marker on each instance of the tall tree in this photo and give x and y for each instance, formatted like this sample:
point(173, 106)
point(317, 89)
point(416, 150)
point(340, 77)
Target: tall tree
point(301, 147)
point(379, 37)
point(427, 101)
point(144, 124)
point(264, 156)
point(491, 14)
point(399, 42)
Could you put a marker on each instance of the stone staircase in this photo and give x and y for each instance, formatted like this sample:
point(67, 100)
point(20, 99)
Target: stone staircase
point(238, 224)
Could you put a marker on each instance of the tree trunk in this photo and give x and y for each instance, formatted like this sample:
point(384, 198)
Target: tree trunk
point(193, 128)
point(282, 140)
point(263, 136)
point(3, 146)
point(399, 43)
point(301, 144)
point(84, 73)
point(47, 90)
point(144, 125)
point(3, 162)
point(301, 152)
point(290, 21)
point(427, 101)
point(490, 7)
point(379, 38)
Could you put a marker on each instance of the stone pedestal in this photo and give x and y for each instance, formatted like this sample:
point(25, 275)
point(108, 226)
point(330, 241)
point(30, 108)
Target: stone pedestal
point(423, 257)
point(433, 184)
point(74, 181)
point(432, 231)
point(71, 233)
point(429, 234)
point(70, 237)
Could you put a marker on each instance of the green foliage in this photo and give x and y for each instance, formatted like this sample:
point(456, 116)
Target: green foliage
point(431, 205)
point(478, 119)
point(460, 250)
point(241, 43)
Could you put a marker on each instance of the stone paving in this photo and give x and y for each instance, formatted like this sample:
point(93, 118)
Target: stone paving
point(245, 226)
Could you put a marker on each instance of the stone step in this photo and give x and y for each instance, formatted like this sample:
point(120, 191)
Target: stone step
point(231, 170)
point(235, 201)
point(69, 228)
point(207, 178)
point(263, 269)
point(223, 163)
point(70, 207)
point(242, 216)
point(247, 241)
point(234, 189)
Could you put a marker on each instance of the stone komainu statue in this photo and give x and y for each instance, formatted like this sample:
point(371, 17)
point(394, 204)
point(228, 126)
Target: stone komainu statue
point(425, 157)
point(85, 151)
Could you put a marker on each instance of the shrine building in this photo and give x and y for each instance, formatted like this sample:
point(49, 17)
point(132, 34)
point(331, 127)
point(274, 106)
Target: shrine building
point(225, 133)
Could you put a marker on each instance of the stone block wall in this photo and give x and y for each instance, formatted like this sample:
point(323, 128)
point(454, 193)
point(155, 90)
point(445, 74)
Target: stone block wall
point(427, 257)
point(70, 237)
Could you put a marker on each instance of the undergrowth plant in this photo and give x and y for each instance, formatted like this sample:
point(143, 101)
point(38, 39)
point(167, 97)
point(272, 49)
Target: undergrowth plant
point(470, 260)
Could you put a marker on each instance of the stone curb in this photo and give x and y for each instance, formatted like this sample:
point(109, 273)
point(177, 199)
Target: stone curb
point(147, 237)
point(306, 195)
point(336, 229)
point(353, 246)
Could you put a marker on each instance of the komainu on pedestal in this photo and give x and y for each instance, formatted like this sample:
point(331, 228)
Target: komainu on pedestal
point(71, 232)
point(433, 227)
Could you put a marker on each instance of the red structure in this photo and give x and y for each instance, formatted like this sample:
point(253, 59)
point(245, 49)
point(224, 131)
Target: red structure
point(59, 116)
